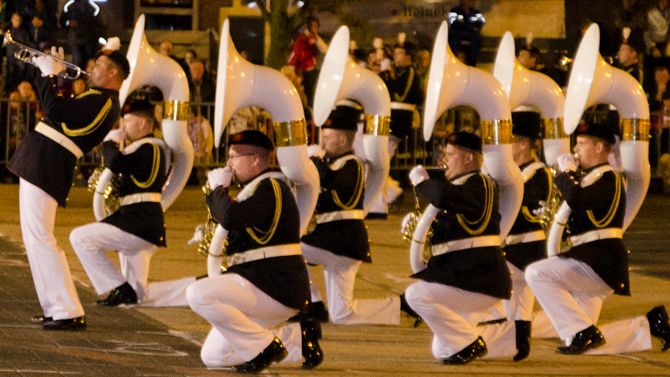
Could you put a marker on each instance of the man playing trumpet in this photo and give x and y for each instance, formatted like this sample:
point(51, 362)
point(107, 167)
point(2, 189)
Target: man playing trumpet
point(45, 162)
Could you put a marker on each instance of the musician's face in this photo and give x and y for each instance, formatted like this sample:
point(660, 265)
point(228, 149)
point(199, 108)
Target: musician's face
point(456, 160)
point(102, 72)
point(590, 151)
point(331, 141)
point(136, 126)
point(244, 160)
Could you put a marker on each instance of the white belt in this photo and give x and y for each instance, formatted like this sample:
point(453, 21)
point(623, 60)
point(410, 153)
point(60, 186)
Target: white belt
point(59, 138)
point(403, 106)
point(356, 214)
point(467, 243)
point(263, 253)
point(595, 235)
point(140, 197)
point(537, 235)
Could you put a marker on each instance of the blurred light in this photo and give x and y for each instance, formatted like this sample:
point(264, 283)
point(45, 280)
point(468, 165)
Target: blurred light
point(102, 41)
point(300, 3)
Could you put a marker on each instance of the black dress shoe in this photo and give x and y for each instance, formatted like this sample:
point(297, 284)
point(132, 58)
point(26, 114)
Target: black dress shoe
point(318, 311)
point(583, 341)
point(522, 340)
point(39, 319)
point(78, 323)
point(123, 294)
point(659, 326)
point(311, 350)
point(273, 353)
point(474, 350)
point(404, 307)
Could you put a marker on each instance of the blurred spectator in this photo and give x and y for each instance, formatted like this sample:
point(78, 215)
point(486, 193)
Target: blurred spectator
point(633, 16)
point(166, 49)
point(4, 15)
point(80, 19)
point(373, 62)
point(203, 88)
point(466, 24)
point(43, 24)
point(17, 70)
point(190, 56)
point(656, 37)
point(79, 86)
point(627, 59)
point(23, 113)
point(304, 51)
point(201, 135)
point(423, 66)
point(659, 86)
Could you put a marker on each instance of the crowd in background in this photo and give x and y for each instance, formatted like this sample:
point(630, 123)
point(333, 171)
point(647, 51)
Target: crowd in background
point(643, 52)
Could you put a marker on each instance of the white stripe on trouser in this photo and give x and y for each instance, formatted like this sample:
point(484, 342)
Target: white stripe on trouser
point(48, 265)
point(520, 306)
point(91, 243)
point(452, 314)
point(244, 319)
point(572, 295)
point(340, 275)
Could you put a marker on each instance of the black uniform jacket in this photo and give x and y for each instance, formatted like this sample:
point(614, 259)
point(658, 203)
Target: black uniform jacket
point(84, 119)
point(143, 170)
point(537, 187)
point(269, 217)
point(598, 206)
point(469, 207)
point(342, 189)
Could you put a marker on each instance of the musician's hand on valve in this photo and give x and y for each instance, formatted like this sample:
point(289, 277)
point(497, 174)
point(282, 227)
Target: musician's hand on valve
point(541, 209)
point(566, 162)
point(48, 65)
point(220, 177)
point(418, 174)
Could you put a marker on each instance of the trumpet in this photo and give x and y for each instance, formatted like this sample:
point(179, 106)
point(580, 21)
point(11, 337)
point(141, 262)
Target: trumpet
point(26, 54)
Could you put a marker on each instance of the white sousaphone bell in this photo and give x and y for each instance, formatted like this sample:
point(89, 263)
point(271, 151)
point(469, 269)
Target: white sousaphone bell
point(593, 81)
point(452, 83)
point(526, 87)
point(341, 78)
point(242, 84)
point(148, 67)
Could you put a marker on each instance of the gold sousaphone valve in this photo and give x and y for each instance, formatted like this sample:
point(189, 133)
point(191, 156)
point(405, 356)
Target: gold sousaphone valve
point(377, 125)
point(176, 110)
point(291, 133)
point(496, 131)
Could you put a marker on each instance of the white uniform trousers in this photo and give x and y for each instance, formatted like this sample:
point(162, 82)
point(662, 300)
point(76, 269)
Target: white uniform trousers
point(520, 306)
point(91, 243)
point(572, 295)
point(48, 265)
point(167, 293)
point(340, 276)
point(245, 320)
point(453, 314)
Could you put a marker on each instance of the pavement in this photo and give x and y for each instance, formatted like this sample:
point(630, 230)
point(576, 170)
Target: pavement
point(139, 341)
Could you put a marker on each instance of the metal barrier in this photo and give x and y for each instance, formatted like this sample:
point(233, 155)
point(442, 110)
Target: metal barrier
point(17, 118)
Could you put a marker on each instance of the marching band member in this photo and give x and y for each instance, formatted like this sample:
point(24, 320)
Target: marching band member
point(466, 275)
point(266, 282)
point(45, 162)
point(137, 229)
point(340, 240)
point(405, 89)
point(526, 242)
point(573, 286)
